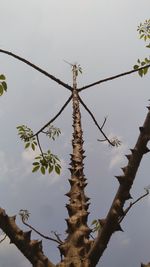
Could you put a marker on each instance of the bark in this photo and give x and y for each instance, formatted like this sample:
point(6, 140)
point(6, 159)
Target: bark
point(31, 249)
point(77, 243)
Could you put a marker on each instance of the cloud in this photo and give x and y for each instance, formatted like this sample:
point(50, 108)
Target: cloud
point(3, 163)
point(117, 154)
point(28, 155)
point(125, 241)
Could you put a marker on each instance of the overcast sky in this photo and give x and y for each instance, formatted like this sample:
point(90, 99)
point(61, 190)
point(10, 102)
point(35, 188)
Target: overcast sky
point(102, 37)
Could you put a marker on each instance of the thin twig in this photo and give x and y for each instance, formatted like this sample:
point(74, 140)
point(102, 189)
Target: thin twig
point(101, 140)
point(105, 119)
point(55, 117)
point(3, 239)
point(37, 68)
point(44, 236)
point(38, 141)
point(131, 205)
point(91, 114)
point(57, 236)
point(112, 78)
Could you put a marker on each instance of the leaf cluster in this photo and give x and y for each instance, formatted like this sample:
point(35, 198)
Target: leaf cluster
point(144, 30)
point(3, 84)
point(26, 135)
point(53, 132)
point(47, 162)
point(24, 214)
point(140, 64)
point(115, 141)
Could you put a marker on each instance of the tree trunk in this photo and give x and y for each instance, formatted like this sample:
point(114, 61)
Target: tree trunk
point(77, 244)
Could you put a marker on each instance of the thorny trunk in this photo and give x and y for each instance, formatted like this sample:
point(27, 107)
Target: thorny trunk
point(77, 243)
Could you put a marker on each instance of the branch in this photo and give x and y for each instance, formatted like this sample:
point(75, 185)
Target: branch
point(91, 114)
point(31, 249)
point(37, 68)
point(132, 204)
point(112, 78)
point(58, 240)
point(55, 117)
point(38, 142)
point(111, 222)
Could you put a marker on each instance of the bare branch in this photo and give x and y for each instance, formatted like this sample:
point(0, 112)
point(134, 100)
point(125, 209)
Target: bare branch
point(55, 117)
point(44, 236)
point(57, 236)
point(38, 141)
point(105, 119)
point(91, 114)
point(112, 78)
point(131, 205)
point(31, 249)
point(37, 68)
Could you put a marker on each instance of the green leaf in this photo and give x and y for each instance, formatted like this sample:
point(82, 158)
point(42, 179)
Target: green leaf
point(33, 146)
point(36, 163)
point(138, 60)
point(2, 77)
point(1, 90)
point(148, 46)
point(36, 168)
point(145, 70)
point(43, 170)
point(147, 60)
point(50, 169)
point(142, 35)
point(135, 67)
point(27, 145)
point(4, 85)
point(143, 63)
point(140, 72)
point(57, 170)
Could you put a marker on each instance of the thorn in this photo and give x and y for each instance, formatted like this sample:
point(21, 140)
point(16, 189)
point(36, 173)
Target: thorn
point(87, 198)
point(146, 150)
point(128, 196)
point(120, 179)
point(118, 228)
point(36, 244)
point(132, 150)
point(67, 194)
point(141, 129)
point(71, 170)
point(72, 182)
point(124, 169)
point(128, 156)
point(27, 235)
point(13, 218)
point(148, 107)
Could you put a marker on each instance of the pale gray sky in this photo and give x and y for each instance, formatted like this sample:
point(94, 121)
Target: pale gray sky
point(101, 36)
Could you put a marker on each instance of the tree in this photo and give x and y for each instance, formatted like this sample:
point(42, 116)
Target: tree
point(79, 248)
